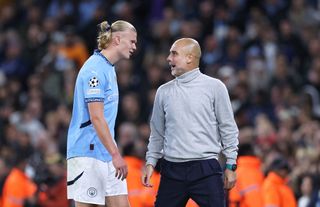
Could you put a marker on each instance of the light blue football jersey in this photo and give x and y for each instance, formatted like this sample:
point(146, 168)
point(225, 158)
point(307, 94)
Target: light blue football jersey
point(96, 81)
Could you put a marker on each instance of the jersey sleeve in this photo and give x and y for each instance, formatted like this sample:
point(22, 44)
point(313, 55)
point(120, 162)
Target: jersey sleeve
point(94, 84)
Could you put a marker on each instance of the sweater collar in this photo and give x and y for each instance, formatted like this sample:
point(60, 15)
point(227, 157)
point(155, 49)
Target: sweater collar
point(188, 76)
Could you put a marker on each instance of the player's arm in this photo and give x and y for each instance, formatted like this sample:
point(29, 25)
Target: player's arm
point(97, 119)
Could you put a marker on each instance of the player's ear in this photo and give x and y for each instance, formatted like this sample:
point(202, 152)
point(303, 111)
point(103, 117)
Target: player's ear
point(117, 39)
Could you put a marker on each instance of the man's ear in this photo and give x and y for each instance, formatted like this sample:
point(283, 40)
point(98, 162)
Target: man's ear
point(189, 58)
point(117, 39)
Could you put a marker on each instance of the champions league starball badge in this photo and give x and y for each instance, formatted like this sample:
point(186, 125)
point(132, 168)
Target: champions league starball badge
point(93, 82)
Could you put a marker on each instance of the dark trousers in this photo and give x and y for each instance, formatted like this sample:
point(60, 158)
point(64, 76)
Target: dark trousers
point(200, 180)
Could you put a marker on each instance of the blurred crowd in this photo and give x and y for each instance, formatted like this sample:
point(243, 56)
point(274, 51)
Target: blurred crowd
point(267, 52)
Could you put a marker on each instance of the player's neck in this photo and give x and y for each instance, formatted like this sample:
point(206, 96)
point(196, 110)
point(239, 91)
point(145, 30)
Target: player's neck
point(110, 55)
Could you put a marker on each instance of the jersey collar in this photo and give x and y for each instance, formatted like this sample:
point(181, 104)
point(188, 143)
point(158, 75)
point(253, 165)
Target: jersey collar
point(98, 52)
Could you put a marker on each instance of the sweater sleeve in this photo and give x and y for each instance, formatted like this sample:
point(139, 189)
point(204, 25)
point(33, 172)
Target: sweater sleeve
point(227, 126)
point(157, 125)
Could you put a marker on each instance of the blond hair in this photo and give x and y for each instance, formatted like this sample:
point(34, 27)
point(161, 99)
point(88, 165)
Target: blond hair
point(105, 32)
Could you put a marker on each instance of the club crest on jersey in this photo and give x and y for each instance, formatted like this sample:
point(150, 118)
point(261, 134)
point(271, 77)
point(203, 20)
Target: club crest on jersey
point(93, 82)
point(92, 192)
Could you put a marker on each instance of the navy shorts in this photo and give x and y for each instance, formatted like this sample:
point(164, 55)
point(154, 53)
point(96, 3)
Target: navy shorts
point(200, 180)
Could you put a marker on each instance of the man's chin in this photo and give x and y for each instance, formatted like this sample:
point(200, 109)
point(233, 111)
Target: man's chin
point(128, 56)
point(174, 74)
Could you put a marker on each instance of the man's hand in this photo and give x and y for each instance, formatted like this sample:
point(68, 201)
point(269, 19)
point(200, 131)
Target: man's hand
point(230, 178)
point(146, 175)
point(120, 165)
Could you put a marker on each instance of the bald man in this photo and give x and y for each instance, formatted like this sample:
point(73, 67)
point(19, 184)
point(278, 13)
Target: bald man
point(192, 123)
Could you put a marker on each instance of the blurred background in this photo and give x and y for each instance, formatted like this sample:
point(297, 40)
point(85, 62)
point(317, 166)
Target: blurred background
point(267, 52)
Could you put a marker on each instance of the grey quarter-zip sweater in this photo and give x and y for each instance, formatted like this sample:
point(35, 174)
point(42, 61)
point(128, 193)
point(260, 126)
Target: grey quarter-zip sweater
point(192, 119)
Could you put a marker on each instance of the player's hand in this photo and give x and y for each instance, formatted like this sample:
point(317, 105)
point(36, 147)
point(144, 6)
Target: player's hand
point(146, 175)
point(120, 165)
point(230, 178)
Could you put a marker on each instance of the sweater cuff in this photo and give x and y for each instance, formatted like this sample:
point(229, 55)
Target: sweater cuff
point(152, 161)
point(231, 161)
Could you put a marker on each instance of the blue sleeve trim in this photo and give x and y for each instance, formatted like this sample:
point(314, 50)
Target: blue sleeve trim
point(88, 100)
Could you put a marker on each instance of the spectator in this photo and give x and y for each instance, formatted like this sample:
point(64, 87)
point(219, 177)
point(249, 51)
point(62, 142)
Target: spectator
point(139, 196)
point(53, 189)
point(247, 191)
point(275, 190)
point(19, 189)
point(4, 171)
point(306, 188)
